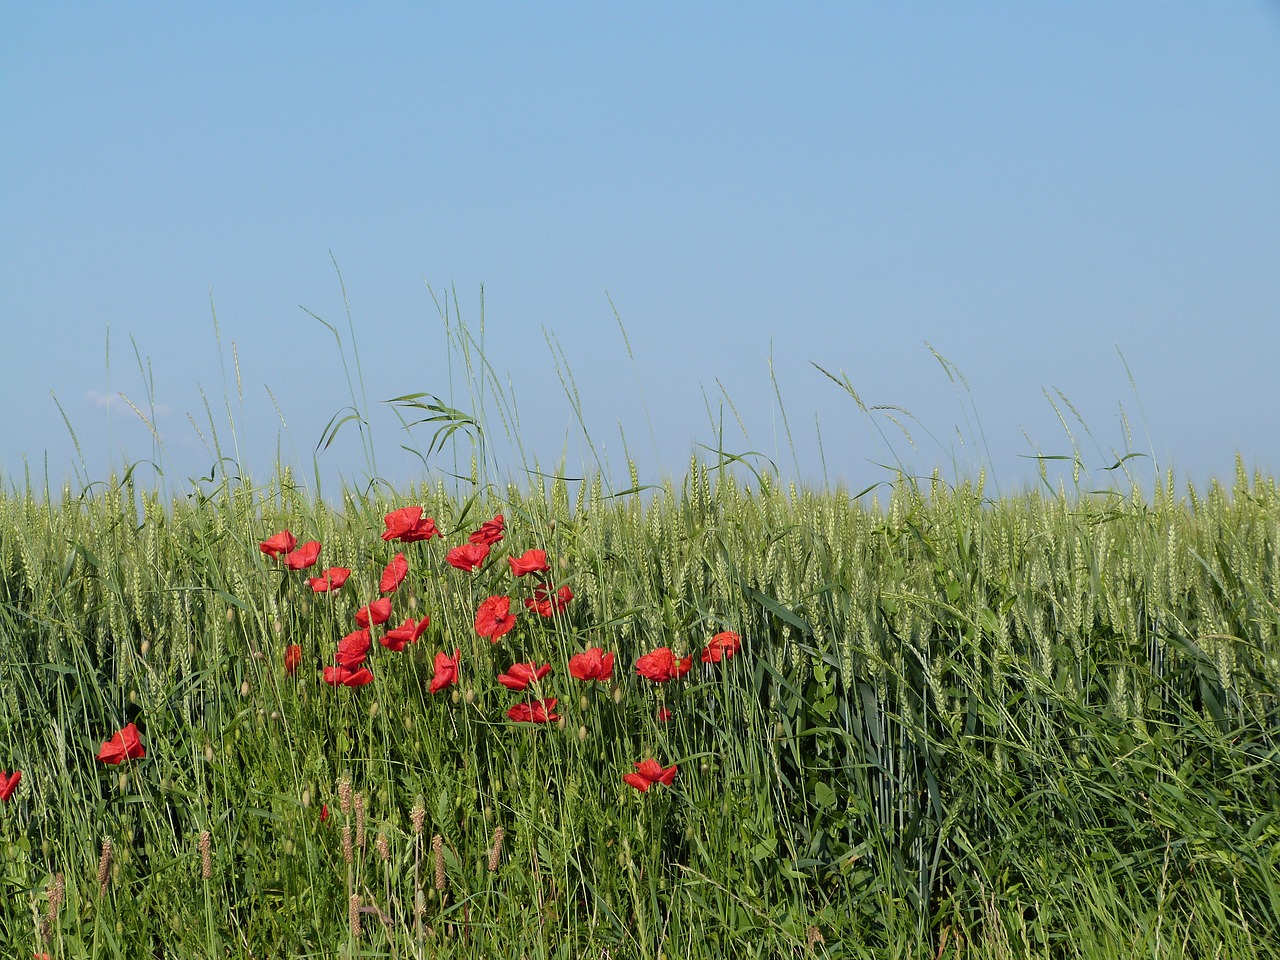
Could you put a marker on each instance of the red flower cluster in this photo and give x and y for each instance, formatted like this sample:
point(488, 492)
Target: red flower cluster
point(281, 546)
point(446, 671)
point(408, 632)
point(494, 618)
point(520, 675)
point(648, 772)
point(408, 526)
point(376, 613)
point(278, 544)
point(303, 556)
point(394, 574)
point(722, 647)
point(545, 602)
point(535, 711)
point(468, 557)
point(595, 664)
point(353, 649)
point(531, 561)
point(346, 677)
point(9, 783)
point(490, 532)
point(125, 744)
point(662, 665)
point(331, 579)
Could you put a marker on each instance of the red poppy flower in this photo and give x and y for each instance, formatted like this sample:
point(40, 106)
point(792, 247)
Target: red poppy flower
point(124, 744)
point(648, 772)
point(490, 532)
point(547, 603)
point(278, 544)
point(446, 671)
point(353, 649)
point(394, 574)
point(332, 579)
point(467, 557)
point(494, 618)
point(9, 783)
point(662, 665)
point(535, 711)
point(531, 561)
point(722, 646)
point(292, 658)
point(345, 676)
point(375, 613)
point(408, 526)
point(408, 632)
point(303, 557)
point(522, 674)
point(663, 714)
point(324, 812)
point(595, 664)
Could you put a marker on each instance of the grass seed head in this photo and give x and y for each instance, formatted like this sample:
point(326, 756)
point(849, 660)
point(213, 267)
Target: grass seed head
point(384, 846)
point(206, 856)
point(104, 867)
point(495, 849)
point(437, 845)
point(353, 914)
point(418, 816)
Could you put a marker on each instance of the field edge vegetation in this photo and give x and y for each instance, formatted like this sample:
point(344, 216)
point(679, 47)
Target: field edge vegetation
point(1043, 726)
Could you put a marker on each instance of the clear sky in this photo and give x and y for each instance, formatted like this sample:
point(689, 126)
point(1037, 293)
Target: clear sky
point(1032, 189)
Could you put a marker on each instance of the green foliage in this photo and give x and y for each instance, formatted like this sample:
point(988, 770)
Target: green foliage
point(1031, 727)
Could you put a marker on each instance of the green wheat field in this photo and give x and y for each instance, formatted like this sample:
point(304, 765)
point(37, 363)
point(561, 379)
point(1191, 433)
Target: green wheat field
point(1040, 725)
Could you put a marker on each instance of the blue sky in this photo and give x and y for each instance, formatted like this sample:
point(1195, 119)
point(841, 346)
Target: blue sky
point(1031, 189)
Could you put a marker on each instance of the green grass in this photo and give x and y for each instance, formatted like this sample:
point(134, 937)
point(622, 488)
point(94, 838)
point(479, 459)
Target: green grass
point(1043, 726)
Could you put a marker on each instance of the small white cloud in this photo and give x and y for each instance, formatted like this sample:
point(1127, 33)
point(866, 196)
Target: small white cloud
point(118, 401)
point(105, 401)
